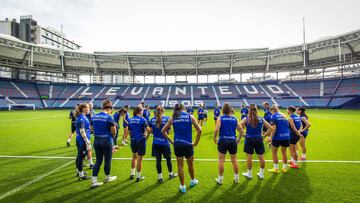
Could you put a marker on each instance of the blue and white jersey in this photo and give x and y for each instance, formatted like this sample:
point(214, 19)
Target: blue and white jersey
point(267, 115)
point(244, 112)
point(159, 139)
point(146, 114)
point(183, 128)
point(217, 112)
point(190, 110)
point(297, 123)
point(84, 123)
point(282, 127)
point(304, 124)
point(116, 118)
point(254, 132)
point(102, 123)
point(137, 126)
point(201, 113)
point(228, 127)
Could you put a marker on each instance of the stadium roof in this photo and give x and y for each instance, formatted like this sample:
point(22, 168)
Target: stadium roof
point(327, 52)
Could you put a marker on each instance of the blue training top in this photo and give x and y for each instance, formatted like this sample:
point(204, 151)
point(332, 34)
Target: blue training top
point(183, 129)
point(216, 112)
point(244, 112)
point(137, 126)
point(304, 124)
point(116, 118)
point(297, 122)
point(159, 139)
point(282, 127)
point(254, 132)
point(146, 114)
point(82, 122)
point(228, 127)
point(190, 110)
point(201, 114)
point(102, 123)
point(267, 115)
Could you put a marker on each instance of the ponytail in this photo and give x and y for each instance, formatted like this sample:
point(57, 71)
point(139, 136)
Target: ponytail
point(158, 116)
point(80, 109)
point(302, 110)
point(177, 111)
point(253, 116)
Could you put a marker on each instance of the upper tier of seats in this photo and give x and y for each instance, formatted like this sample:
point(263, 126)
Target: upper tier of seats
point(316, 93)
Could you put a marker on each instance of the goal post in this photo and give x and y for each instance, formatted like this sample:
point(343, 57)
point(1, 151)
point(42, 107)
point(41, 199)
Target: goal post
point(21, 106)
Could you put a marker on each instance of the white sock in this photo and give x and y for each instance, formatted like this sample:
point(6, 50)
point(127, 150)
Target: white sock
point(138, 174)
point(296, 162)
point(94, 179)
point(303, 156)
point(90, 162)
point(182, 186)
point(69, 140)
point(221, 178)
point(262, 170)
point(236, 176)
point(297, 152)
point(81, 173)
point(249, 172)
point(160, 176)
point(132, 171)
point(171, 173)
point(276, 166)
point(292, 159)
point(284, 166)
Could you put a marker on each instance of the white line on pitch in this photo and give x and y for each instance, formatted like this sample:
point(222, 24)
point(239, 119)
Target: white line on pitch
point(25, 119)
point(153, 159)
point(13, 191)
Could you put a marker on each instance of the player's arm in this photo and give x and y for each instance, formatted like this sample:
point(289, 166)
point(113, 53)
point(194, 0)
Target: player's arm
point(198, 131)
point(307, 124)
point(216, 130)
point(83, 135)
point(165, 129)
point(292, 125)
point(147, 130)
point(240, 130)
point(268, 127)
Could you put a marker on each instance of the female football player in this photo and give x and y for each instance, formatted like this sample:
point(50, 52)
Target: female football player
point(182, 123)
point(304, 131)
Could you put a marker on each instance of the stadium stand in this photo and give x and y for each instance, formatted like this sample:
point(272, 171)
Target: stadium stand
point(312, 93)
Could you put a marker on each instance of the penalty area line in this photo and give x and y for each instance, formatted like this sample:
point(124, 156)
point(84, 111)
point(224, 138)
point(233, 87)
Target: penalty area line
point(153, 159)
point(37, 179)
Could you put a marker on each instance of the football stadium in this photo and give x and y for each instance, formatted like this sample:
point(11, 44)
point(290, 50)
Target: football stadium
point(219, 125)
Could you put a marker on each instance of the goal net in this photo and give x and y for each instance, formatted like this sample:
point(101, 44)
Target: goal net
point(21, 106)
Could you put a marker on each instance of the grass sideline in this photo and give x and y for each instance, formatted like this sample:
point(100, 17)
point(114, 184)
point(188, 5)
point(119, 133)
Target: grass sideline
point(333, 136)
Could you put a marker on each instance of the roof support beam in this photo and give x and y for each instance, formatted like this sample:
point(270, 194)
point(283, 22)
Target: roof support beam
point(231, 64)
point(162, 65)
point(129, 66)
point(96, 65)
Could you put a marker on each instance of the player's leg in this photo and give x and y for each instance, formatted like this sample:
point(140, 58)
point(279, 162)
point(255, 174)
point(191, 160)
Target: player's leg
point(157, 153)
point(274, 150)
point(72, 132)
point(248, 174)
point(99, 153)
point(190, 163)
point(180, 163)
point(108, 147)
point(235, 165)
point(303, 149)
point(126, 131)
point(221, 162)
point(81, 153)
point(133, 165)
point(284, 158)
point(167, 156)
point(141, 146)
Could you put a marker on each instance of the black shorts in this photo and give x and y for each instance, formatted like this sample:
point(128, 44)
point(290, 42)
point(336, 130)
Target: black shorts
point(305, 135)
point(183, 150)
point(226, 145)
point(294, 139)
point(254, 144)
point(264, 129)
point(200, 119)
point(158, 150)
point(283, 143)
point(138, 146)
point(73, 127)
point(205, 116)
point(215, 118)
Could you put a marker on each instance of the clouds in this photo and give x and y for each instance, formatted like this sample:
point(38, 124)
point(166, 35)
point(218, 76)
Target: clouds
point(133, 25)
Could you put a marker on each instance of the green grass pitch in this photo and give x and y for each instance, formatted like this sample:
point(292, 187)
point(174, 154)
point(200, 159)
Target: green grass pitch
point(333, 136)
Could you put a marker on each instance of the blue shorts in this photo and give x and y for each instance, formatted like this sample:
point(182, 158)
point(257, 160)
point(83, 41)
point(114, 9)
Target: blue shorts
point(73, 127)
point(138, 146)
point(158, 150)
point(254, 144)
point(125, 125)
point(183, 150)
point(227, 145)
point(305, 134)
point(283, 143)
point(200, 118)
point(294, 139)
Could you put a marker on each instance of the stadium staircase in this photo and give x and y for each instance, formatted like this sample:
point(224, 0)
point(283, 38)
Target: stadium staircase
point(334, 92)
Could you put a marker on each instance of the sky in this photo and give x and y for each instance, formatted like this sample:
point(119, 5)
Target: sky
point(167, 25)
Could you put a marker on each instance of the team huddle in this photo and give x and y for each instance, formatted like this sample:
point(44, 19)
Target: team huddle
point(275, 128)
